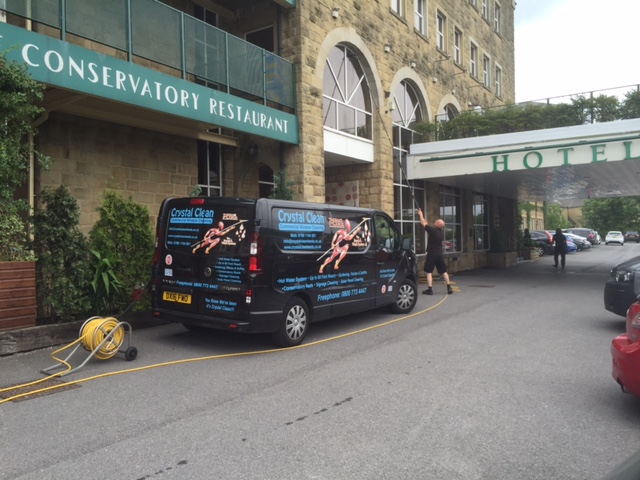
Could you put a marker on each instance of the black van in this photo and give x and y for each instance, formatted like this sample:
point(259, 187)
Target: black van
point(275, 266)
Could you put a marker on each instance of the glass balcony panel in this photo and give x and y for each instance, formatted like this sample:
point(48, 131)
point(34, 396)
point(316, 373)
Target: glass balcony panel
point(156, 32)
point(43, 11)
point(245, 71)
point(205, 51)
point(279, 77)
point(104, 21)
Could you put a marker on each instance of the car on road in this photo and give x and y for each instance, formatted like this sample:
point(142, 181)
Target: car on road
point(581, 242)
point(571, 246)
point(543, 241)
point(632, 236)
point(623, 286)
point(625, 352)
point(614, 237)
point(587, 233)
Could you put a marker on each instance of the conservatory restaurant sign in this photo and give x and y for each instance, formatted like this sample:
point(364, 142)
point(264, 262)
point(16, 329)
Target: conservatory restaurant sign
point(61, 64)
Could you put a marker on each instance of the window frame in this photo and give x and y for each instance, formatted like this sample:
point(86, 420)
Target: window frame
point(497, 18)
point(480, 229)
point(397, 7)
point(486, 71)
point(498, 81)
point(485, 9)
point(420, 17)
point(205, 160)
point(457, 46)
point(473, 59)
point(441, 31)
point(451, 199)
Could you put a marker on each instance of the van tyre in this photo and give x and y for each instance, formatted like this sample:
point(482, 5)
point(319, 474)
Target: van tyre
point(406, 298)
point(294, 324)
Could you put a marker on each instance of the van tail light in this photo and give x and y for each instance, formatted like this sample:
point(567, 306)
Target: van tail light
point(256, 254)
point(249, 296)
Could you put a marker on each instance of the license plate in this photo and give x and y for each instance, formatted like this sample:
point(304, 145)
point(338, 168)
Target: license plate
point(177, 297)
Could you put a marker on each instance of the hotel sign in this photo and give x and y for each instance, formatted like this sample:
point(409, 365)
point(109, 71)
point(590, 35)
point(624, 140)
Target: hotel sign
point(63, 65)
point(552, 154)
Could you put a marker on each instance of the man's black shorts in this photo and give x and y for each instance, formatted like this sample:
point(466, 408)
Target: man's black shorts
point(435, 261)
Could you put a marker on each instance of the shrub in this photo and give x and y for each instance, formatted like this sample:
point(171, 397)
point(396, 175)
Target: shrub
point(63, 271)
point(123, 235)
point(19, 95)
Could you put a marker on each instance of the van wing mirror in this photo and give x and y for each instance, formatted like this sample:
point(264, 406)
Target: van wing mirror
point(406, 244)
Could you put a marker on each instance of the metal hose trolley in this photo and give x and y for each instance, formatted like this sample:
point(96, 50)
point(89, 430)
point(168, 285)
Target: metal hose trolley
point(103, 338)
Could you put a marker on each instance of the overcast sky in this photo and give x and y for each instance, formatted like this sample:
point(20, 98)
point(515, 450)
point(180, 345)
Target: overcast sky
point(565, 47)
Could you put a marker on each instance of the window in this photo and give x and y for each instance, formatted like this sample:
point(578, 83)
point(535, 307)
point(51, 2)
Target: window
point(451, 214)
point(498, 82)
point(263, 38)
point(485, 9)
point(396, 7)
point(209, 169)
point(486, 71)
point(474, 3)
point(497, 18)
point(420, 15)
point(441, 31)
point(346, 97)
point(3, 15)
point(473, 60)
point(406, 114)
point(480, 222)
point(457, 45)
point(266, 183)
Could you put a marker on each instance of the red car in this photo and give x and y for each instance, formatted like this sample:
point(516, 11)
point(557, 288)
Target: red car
point(625, 350)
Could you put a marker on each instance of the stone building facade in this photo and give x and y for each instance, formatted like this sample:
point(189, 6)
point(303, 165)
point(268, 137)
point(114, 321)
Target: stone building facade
point(365, 74)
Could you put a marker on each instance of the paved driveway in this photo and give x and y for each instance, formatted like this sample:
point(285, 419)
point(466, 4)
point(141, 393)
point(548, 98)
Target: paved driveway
point(508, 378)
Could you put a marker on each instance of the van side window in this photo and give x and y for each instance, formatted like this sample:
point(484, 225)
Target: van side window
point(386, 233)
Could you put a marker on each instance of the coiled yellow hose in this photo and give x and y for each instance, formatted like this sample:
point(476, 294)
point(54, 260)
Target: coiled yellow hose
point(96, 330)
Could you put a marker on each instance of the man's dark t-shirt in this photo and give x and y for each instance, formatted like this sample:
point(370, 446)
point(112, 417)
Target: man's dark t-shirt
point(435, 239)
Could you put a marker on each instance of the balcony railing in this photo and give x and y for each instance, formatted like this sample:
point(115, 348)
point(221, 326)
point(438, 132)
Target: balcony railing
point(147, 30)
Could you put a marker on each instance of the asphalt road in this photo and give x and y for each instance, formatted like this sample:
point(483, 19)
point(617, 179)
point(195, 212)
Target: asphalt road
point(508, 378)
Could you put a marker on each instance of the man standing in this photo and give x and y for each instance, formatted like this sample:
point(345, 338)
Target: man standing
point(435, 258)
point(560, 248)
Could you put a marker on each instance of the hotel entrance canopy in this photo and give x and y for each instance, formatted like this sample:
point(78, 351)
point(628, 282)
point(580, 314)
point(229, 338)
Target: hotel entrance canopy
point(553, 165)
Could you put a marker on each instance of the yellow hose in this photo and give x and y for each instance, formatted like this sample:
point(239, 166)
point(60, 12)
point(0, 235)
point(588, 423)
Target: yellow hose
point(95, 331)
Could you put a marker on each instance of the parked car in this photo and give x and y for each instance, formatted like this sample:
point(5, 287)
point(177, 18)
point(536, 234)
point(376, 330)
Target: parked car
point(571, 246)
point(543, 240)
point(623, 286)
point(632, 236)
point(614, 237)
point(625, 351)
point(598, 238)
point(581, 242)
point(587, 233)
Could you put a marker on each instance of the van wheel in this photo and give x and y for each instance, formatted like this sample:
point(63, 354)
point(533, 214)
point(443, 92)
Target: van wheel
point(294, 324)
point(406, 298)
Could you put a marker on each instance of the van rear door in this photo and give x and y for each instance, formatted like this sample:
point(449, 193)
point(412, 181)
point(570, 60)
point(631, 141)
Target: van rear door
point(204, 256)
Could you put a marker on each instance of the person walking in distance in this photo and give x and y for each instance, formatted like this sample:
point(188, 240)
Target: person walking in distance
point(560, 249)
point(435, 259)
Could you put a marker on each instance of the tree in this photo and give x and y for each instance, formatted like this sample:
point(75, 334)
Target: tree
point(606, 214)
point(19, 95)
point(282, 187)
point(553, 218)
point(630, 107)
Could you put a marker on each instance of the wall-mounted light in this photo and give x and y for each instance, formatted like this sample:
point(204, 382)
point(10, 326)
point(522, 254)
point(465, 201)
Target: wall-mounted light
point(252, 150)
point(412, 64)
point(387, 48)
point(335, 13)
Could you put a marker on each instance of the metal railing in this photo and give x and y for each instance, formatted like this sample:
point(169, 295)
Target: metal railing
point(148, 30)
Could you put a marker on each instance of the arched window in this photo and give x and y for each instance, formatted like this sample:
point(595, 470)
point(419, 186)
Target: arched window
point(406, 113)
point(266, 182)
point(346, 95)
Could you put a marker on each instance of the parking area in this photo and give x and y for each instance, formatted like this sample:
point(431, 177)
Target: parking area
point(508, 378)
